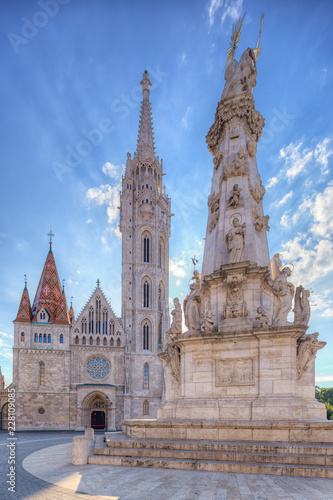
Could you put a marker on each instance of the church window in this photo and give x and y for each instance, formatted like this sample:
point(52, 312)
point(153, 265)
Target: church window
point(36, 337)
point(41, 373)
point(161, 253)
point(146, 376)
point(98, 315)
point(49, 338)
point(84, 325)
point(111, 342)
point(98, 341)
point(118, 343)
point(22, 336)
point(111, 327)
point(84, 340)
point(91, 341)
point(159, 334)
point(146, 407)
point(146, 293)
point(40, 337)
point(105, 321)
point(41, 411)
point(91, 320)
point(98, 367)
point(45, 338)
point(145, 334)
point(147, 201)
point(147, 186)
point(104, 341)
point(146, 248)
point(61, 339)
point(76, 340)
point(160, 297)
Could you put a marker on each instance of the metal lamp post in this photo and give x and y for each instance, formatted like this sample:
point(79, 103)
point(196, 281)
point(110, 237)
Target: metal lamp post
point(106, 413)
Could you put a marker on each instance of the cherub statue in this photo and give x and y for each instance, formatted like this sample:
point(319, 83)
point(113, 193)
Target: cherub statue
point(235, 196)
point(262, 318)
point(302, 306)
point(207, 323)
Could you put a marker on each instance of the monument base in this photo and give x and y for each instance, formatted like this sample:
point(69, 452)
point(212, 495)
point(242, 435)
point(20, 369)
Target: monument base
point(287, 431)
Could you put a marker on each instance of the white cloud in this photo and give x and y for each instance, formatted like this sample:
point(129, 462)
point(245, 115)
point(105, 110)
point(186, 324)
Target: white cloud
point(113, 171)
point(185, 117)
point(106, 195)
point(285, 220)
point(229, 8)
point(6, 343)
point(177, 268)
point(322, 211)
point(312, 260)
point(322, 153)
point(89, 221)
point(297, 157)
point(178, 282)
point(271, 182)
point(328, 313)
point(6, 335)
point(285, 198)
point(324, 378)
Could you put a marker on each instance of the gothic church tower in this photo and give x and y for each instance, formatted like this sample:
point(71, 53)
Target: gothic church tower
point(145, 227)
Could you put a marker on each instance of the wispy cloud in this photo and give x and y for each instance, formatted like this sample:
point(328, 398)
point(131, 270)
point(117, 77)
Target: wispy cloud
point(297, 157)
point(177, 268)
point(6, 344)
point(271, 182)
point(185, 117)
point(224, 9)
point(285, 198)
point(324, 378)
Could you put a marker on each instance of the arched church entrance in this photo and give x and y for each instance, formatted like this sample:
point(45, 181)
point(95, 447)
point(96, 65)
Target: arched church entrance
point(96, 405)
point(98, 415)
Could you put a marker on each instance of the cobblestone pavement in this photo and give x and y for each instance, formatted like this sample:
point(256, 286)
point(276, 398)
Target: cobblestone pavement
point(47, 474)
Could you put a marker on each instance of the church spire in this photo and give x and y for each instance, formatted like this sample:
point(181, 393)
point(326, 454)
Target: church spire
point(145, 146)
point(24, 311)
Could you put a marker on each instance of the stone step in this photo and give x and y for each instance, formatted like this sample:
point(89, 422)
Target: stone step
point(298, 459)
point(210, 465)
point(214, 446)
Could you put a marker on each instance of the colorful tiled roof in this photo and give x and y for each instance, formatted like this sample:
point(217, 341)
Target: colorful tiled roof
point(49, 294)
point(24, 312)
point(71, 315)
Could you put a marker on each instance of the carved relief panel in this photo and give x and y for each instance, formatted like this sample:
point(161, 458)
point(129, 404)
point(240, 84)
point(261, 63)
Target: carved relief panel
point(234, 372)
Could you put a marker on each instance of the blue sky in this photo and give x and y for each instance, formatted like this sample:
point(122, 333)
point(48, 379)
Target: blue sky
point(70, 68)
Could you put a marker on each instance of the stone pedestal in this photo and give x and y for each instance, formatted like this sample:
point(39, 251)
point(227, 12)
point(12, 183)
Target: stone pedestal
point(89, 433)
point(80, 450)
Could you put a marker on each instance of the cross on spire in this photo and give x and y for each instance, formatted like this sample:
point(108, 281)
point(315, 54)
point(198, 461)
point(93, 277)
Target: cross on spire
point(25, 281)
point(98, 282)
point(194, 261)
point(50, 234)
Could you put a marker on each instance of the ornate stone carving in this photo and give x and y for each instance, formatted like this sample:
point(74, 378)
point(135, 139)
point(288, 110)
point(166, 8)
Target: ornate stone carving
point(193, 305)
point(241, 107)
point(261, 318)
point(234, 372)
point(207, 323)
point(171, 356)
point(260, 221)
point(235, 240)
point(308, 345)
point(301, 309)
point(258, 191)
point(235, 306)
point(237, 166)
point(240, 77)
point(234, 132)
point(283, 295)
point(214, 211)
point(235, 196)
point(177, 317)
point(252, 146)
point(217, 160)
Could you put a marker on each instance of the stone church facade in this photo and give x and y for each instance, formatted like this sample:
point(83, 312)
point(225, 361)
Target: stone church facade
point(98, 369)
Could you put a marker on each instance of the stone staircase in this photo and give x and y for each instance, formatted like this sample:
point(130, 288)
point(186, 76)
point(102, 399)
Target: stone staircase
point(296, 459)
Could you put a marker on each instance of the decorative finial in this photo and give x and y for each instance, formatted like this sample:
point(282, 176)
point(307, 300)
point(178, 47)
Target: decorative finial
point(257, 49)
point(63, 286)
point(98, 282)
point(145, 83)
point(25, 281)
point(194, 261)
point(71, 300)
point(50, 234)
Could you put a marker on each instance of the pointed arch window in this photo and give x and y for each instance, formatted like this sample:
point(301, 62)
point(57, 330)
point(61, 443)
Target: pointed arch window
point(145, 407)
point(36, 337)
point(145, 336)
point(42, 373)
point(61, 339)
point(146, 295)
point(105, 341)
point(84, 325)
point(84, 340)
point(111, 342)
point(91, 320)
point(118, 342)
point(160, 297)
point(49, 338)
point(98, 341)
point(146, 376)
point(76, 339)
point(111, 327)
point(105, 321)
point(91, 341)
point(22, 336)
point(98, 314)
point(146, 247)
point(159, 334)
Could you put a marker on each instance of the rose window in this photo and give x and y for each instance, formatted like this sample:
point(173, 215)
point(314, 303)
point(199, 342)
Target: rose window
point(98, 367)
